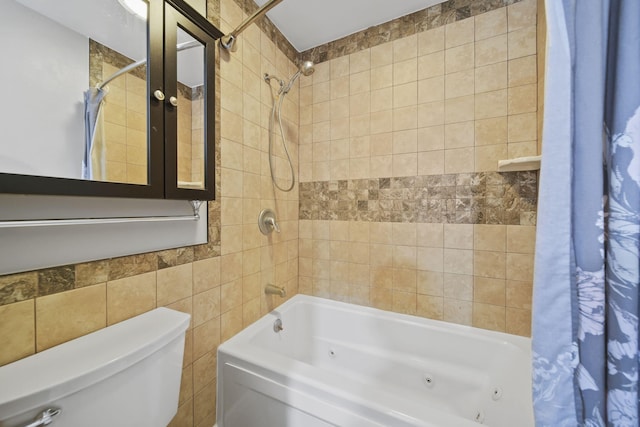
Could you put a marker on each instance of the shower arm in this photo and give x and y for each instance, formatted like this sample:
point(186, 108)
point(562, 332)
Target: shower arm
point(179, 47)
point(228, 41)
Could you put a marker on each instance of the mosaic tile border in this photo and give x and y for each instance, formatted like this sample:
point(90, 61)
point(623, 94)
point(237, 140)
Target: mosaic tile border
point(471, 198)
point(432, 17)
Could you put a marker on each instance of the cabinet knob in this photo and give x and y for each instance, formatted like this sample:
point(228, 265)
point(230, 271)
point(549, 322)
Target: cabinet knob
point(173, 101)
point(159, 95)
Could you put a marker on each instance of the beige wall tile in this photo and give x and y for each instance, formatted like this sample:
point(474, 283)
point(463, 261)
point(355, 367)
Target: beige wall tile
point(130, 296)
point(458, 236)
point(206, 306)
point(381, 55)
point(431, 138)
point(360, 61)
point(457, 311)
point(459, 160)
point(431, 41)
point(382, 77)
point(430, 283)
point(431, 307)
point(405, 48)
point(491, 77)
point(491, 131)
point(523, 99)
point(459, 58)
point(68, 315)
point(458, 286)
point(518, 294)
point(488, 316)
point(489, 264)
point(459, 84)
point(174, 283)
point(491, 51)
point(459, 135)
point(458, 261)
point(459, 109)
point(430, 114)
point(522, 14)
point(491, 104)
point(522, 42)
point(523, 149)
point(430, 235)
point(487, 157)
point(523, 127)
point(431, 65)
point(17, 331)
point(405, 71)
point(404, 302)
point(489, 291)
point(521, 239)
point(405, 95)
point(519, 266)
point(431, 89)
point(523, 71)
point(491, 24)
point(518, 322)
point(431, 162)
point(490, 237)
point(458, 33)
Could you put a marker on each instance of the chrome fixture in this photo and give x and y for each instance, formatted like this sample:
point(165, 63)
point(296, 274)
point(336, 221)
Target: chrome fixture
point(275, 290)
point(267, 222)
point(277, 326)
point(195, 205)
point(228, 41)
point(306, 69)
point(45, 418)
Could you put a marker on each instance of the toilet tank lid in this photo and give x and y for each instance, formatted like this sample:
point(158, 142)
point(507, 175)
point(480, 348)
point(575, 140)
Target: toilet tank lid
point(77, 364)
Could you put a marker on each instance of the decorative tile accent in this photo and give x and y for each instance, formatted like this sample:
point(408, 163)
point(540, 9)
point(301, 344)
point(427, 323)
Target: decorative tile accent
point(432, 17)
point(54, 280)
point(470, 198)
point(18, 287)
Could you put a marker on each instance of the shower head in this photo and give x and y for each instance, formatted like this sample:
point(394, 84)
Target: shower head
point(307, 68)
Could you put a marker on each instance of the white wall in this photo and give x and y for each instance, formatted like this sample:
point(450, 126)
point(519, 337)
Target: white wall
point(45, 72)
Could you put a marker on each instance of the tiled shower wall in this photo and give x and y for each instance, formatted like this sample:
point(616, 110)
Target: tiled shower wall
point(219, 283)
point(401, 206)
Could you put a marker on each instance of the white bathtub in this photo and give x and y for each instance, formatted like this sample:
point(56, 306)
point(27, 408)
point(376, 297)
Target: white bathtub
point(337, 364)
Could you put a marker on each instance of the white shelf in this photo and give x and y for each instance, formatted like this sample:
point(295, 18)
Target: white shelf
point(530, 163)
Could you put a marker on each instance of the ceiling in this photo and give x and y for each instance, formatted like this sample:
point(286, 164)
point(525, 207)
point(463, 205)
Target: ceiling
point(310, 23)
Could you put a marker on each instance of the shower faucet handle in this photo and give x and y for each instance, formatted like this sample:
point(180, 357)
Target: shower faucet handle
point(267, 221)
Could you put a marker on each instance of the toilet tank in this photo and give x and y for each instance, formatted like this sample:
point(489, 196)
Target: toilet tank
point(127, 374)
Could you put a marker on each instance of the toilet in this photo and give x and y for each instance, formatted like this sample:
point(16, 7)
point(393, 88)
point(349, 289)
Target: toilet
point(127, 374)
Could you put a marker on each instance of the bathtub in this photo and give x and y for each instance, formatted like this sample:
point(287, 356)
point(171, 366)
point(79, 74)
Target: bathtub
point(338, 364)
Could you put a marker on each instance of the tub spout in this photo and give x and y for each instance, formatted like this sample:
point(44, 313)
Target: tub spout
point(275, 290)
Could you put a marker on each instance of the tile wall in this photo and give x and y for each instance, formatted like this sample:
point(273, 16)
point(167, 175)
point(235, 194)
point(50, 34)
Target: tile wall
point(401, 204)
point(386, 112)
point(221, 283)
point(123, 129)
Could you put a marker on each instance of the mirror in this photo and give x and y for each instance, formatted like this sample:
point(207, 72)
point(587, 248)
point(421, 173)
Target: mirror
point(54, 52)
point(191, 91)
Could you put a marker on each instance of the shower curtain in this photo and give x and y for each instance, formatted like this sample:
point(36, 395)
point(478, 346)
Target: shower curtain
point(93, 166)
point(585, 319)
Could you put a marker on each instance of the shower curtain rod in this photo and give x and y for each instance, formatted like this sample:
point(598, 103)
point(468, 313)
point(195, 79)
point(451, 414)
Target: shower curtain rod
point(228, 41)
point(180, 47)
point(195, 204)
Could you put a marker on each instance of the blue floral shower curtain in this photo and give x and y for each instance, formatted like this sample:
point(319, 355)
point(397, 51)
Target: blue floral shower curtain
point(585, 320)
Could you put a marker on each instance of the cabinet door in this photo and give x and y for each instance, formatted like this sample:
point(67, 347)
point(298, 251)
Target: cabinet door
point(189, 80)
